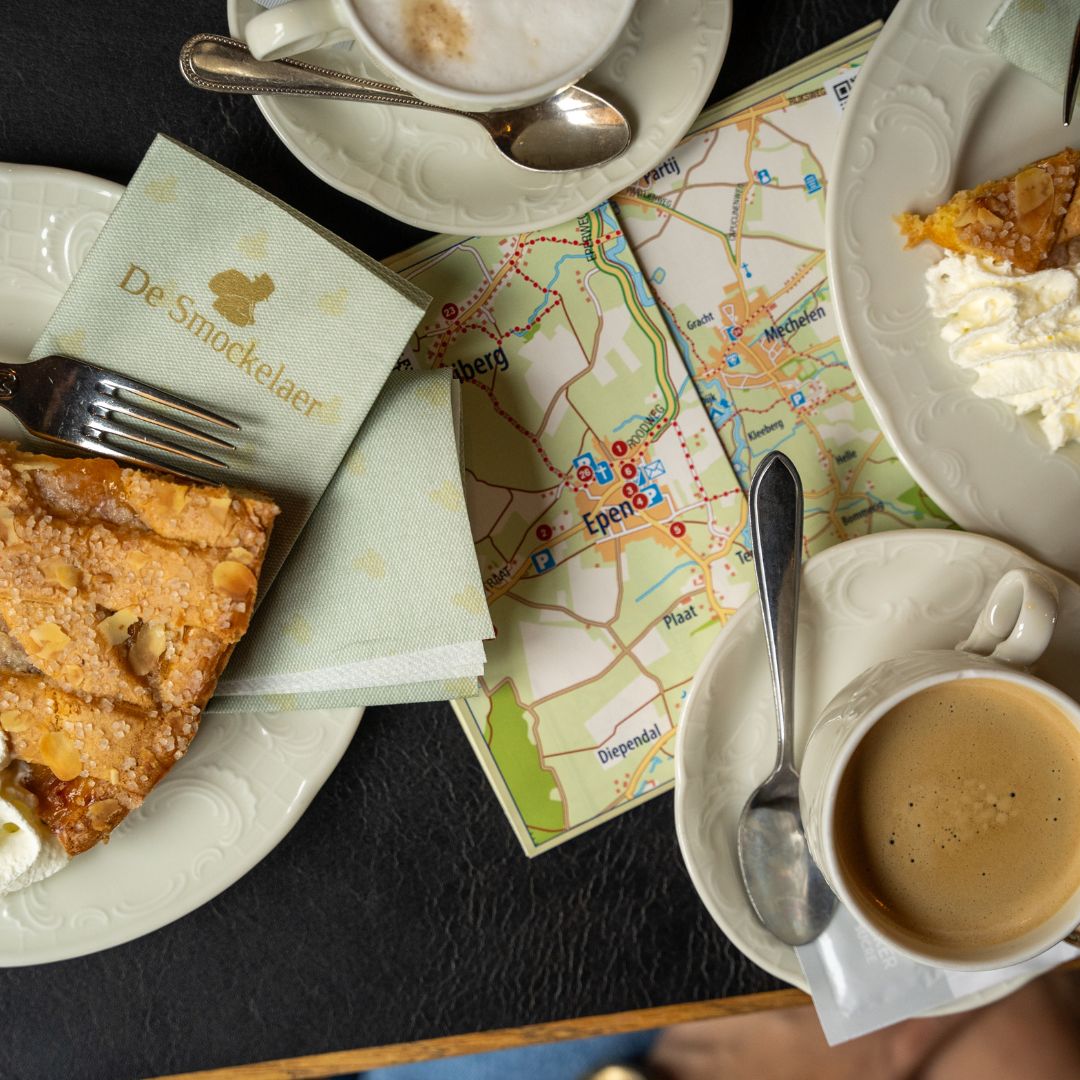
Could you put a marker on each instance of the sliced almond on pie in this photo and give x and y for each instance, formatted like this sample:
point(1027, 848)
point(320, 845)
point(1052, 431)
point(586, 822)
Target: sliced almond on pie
point(121, 599)
point(1016, 219)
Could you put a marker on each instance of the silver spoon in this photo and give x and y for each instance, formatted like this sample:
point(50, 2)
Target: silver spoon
point(573, 129)
point(785, 886)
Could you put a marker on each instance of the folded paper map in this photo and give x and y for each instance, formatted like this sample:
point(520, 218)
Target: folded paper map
point(575, 350)
point(204, 285)
point(730, 231)
point(607, 519)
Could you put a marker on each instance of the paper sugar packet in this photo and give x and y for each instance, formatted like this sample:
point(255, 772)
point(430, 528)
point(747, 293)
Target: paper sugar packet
point(859, 984)
point(207, 286)
point(381, 600)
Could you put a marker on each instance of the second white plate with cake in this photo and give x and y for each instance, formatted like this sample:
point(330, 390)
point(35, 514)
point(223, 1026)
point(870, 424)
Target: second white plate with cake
point(934, 110)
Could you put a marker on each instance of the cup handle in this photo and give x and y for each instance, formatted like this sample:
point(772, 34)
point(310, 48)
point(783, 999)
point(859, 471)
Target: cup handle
point(1017, 622)
point(293, 28)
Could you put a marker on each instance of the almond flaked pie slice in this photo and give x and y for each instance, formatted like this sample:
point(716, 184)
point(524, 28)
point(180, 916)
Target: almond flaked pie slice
point(1026, 219)
point(122, 594)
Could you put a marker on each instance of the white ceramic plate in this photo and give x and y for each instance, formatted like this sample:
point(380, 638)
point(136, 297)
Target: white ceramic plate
point(862, 602)
point(247, 778)
point(934, 110)
point(441, 173)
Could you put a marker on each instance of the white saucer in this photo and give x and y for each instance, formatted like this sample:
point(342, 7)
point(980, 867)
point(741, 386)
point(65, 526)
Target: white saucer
point(442, 173)
point(862, 602)
point(247, 778)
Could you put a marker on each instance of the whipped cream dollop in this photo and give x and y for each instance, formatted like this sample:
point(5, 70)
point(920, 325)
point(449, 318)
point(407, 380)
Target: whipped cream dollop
point(28, 851)
point(1019, 333)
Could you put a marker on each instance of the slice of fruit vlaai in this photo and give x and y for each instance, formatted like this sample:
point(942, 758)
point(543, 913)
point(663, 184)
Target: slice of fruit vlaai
point(122, 594)
point(1016, 219)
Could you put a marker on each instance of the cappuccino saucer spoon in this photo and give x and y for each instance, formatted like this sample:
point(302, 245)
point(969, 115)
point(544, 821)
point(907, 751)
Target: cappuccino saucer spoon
point(573, 129)
point(784, 885)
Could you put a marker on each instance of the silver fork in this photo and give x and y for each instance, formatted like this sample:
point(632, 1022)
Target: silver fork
point(74, 403)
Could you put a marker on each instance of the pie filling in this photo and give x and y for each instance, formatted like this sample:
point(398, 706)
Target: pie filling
point(1030, 219)
point(122, 594)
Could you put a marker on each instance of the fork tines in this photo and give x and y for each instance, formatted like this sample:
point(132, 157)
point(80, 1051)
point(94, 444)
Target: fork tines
point(69, 401)
point(160, 397)
point(107, 406)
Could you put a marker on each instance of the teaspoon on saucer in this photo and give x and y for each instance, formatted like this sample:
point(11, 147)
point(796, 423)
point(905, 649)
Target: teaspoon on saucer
point(573, 129)
point(784, 885)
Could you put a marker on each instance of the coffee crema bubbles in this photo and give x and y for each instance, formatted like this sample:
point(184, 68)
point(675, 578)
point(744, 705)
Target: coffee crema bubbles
point(957, 820)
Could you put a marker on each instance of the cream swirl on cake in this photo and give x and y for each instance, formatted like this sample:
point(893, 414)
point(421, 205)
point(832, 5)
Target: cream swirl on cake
point(28, 851)
point(1019, 333)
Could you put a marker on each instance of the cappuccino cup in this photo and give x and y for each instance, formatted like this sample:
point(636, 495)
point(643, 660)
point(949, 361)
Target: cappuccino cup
point(940, 792)
point(471, 55)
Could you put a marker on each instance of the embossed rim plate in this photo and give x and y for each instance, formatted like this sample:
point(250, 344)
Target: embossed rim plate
point(440, 173)
point(863, 601)
point(933, 110)
point(247, 778)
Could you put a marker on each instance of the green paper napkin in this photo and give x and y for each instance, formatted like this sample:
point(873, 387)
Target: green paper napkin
point(381, 599)
point(210, 288)
point(205, 285)
point(1036, 36)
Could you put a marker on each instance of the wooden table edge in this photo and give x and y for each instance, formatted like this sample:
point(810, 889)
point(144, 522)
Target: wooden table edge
point(315, 1066)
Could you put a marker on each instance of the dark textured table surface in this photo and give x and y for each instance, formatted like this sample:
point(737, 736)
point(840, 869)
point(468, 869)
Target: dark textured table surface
point(400, 907)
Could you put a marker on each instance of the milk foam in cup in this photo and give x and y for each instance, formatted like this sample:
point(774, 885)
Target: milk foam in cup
point(477, 55)
point(505, 48)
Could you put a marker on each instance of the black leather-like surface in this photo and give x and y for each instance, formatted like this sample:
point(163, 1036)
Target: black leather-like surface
point(400, 907)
